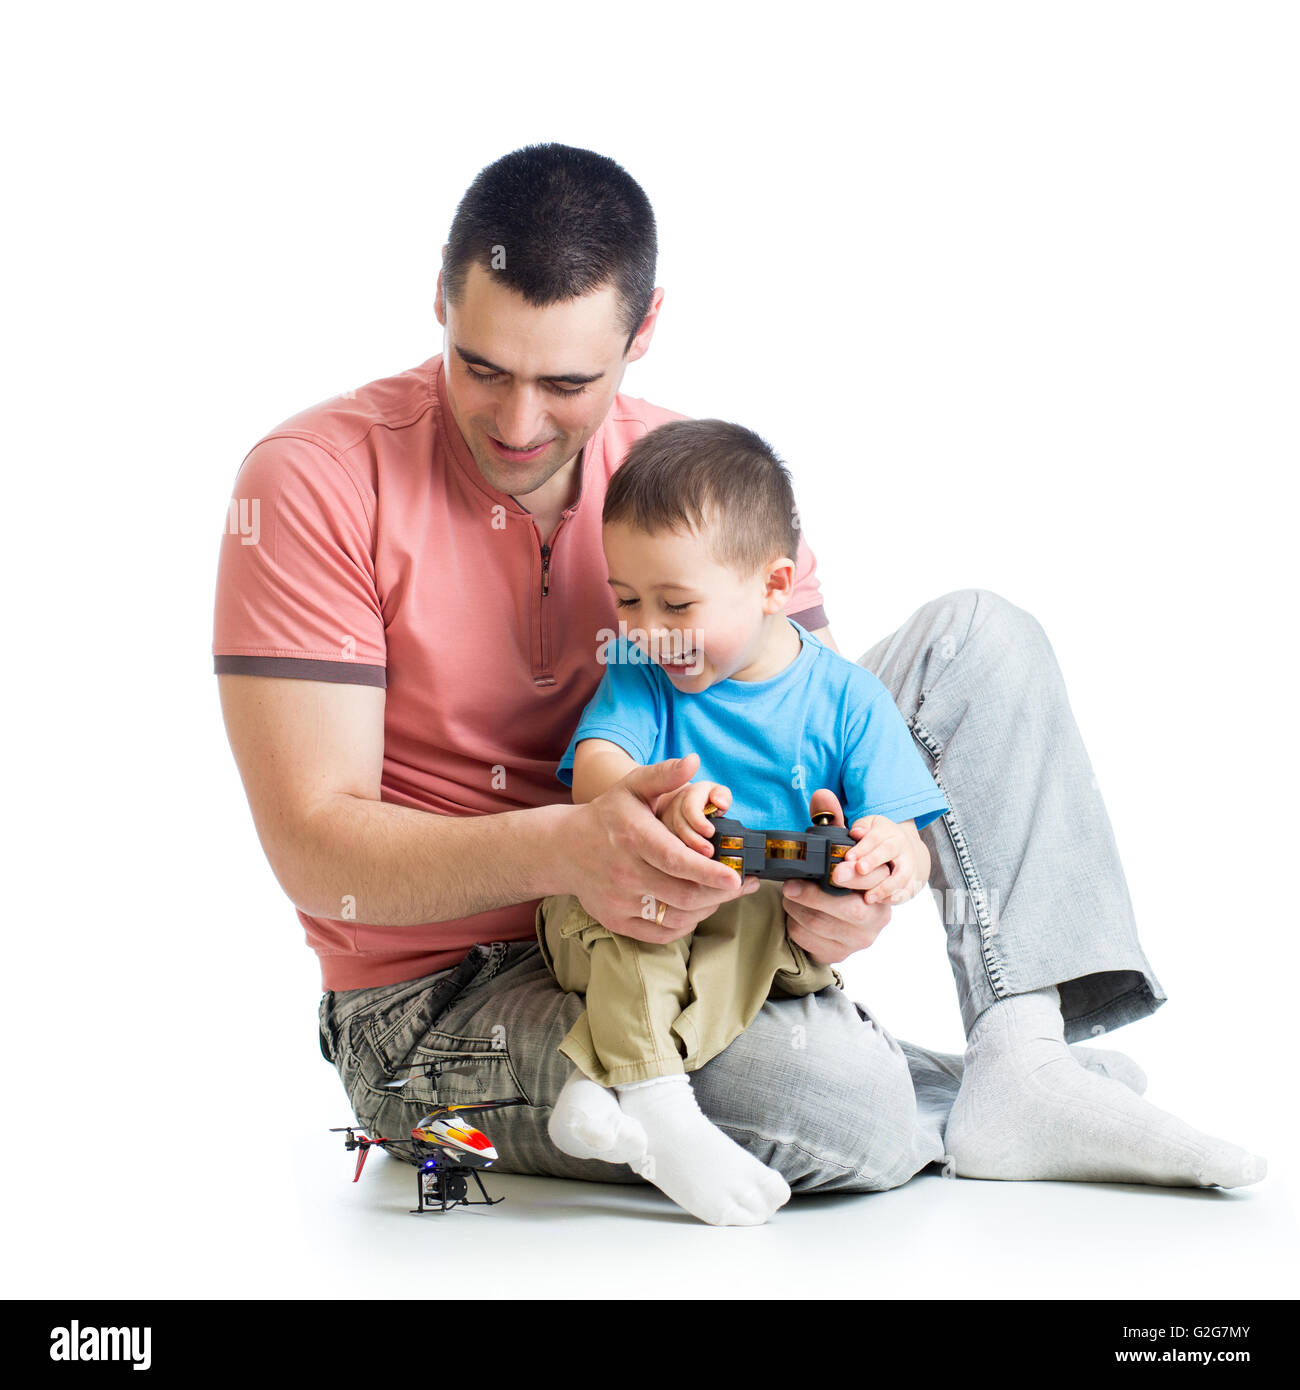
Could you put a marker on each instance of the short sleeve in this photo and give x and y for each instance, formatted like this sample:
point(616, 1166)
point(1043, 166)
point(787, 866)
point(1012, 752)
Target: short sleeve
point(624, 709)
point(884, 774)
point(805, 605)
point(296, 592)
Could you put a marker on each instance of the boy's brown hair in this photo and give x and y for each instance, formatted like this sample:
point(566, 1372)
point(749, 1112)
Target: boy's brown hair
point(716, 478)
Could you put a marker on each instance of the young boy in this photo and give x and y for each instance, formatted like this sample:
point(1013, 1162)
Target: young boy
point(699, 533)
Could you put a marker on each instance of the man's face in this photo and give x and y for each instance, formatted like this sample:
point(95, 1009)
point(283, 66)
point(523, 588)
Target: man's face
point(529, 386)
point(699, 620)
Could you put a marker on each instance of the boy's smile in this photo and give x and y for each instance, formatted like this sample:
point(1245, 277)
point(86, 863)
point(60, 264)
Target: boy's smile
point(702, 622)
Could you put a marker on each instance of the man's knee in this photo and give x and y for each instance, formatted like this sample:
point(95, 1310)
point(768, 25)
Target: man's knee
point(1009, 622)
point(988, 628)
point(828, 1106)
point(982, 615)
point(887, 1153)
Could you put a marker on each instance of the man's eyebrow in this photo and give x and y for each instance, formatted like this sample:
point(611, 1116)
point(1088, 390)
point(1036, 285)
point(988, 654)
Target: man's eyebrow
point(577, 378)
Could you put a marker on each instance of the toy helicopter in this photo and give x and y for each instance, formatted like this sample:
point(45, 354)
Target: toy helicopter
point(783, 854)
point(445, 1151)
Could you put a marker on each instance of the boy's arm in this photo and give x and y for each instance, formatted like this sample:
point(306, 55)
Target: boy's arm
point(918, 875)
point(598, 765)
point(919, 849)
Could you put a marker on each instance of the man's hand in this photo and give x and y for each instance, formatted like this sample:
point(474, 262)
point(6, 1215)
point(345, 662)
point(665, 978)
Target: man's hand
point(831, 927)
point(624, 863)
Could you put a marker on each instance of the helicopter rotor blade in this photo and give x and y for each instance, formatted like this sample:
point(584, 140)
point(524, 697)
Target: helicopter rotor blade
point(489, 1104)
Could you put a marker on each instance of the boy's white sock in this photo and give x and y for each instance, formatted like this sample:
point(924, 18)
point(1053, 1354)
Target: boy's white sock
point(587, 1122)
point(1027, 1109)
point(690, 1159)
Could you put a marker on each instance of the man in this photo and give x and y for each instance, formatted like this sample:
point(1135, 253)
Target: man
point(406, 633)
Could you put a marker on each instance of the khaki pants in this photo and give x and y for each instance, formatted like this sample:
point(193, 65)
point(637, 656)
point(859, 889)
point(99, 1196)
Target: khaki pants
point(659, 1010)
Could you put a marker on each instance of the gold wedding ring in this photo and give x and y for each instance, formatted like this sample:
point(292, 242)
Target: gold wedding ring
point(659, 916)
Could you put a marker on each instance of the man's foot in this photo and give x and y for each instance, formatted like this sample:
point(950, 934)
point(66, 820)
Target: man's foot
point(587, 1122)
point(693, 1162)
point(942, 1071)
point(1119, 1066)
point(1027, 1109)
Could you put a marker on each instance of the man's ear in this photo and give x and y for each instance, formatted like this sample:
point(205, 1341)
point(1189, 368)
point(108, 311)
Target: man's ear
point(439, 306)
point(641, 343)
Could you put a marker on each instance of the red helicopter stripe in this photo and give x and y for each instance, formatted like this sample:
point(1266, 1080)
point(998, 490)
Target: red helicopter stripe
point(470, 1138)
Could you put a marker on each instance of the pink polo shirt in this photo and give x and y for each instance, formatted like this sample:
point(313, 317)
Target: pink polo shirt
point(364, 546)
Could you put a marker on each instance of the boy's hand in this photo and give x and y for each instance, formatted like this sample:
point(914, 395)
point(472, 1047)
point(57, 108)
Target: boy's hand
point(682, 812)
point(831, 927)
point(889, 863)
point(630, 872)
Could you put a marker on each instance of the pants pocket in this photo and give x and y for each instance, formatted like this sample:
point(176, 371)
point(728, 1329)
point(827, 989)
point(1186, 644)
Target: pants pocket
point(373, 1043)
point(574, 920)
point(468, 1070)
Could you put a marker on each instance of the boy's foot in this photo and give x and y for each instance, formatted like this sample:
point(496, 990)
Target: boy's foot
point(1027, 1109)
point(692, 1161)
point(587, 1122)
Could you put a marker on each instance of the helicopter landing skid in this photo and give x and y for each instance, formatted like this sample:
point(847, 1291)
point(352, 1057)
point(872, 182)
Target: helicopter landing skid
point(440, 1190)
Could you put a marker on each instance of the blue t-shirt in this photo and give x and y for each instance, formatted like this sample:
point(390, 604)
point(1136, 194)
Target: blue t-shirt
point(822, 722)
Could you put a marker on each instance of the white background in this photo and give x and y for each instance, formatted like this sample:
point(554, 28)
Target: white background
point(1014, 290)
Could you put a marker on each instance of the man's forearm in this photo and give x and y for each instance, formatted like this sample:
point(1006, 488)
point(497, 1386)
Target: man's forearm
point(370, 861)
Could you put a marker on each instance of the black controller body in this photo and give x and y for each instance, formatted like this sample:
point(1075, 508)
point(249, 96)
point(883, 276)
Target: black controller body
point(783, 854)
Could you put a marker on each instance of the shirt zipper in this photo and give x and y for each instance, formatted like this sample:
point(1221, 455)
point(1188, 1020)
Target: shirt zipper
point(545, 676)
point(543, 613)
point(544, 608)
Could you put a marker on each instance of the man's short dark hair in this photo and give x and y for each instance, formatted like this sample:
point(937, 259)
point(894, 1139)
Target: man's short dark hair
point(553, 223)
point(718, 479)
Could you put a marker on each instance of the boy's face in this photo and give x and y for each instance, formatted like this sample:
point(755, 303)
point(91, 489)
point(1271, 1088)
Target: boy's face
point(698, 620)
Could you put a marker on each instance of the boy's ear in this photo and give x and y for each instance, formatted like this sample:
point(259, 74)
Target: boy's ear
point(780, 583)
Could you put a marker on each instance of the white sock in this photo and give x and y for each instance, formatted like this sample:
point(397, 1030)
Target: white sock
point(941, 1071)
point(587, 1122)
point(1028, 1110)
point(1119, 1066)
point(690, 1159)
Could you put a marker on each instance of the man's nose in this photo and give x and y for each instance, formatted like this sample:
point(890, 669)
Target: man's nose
point(519, 421)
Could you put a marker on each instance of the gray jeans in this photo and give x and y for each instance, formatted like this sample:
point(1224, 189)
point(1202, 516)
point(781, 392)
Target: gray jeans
point(1025, 872)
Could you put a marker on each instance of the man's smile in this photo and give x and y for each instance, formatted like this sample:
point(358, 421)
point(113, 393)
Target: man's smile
point(518, 455)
